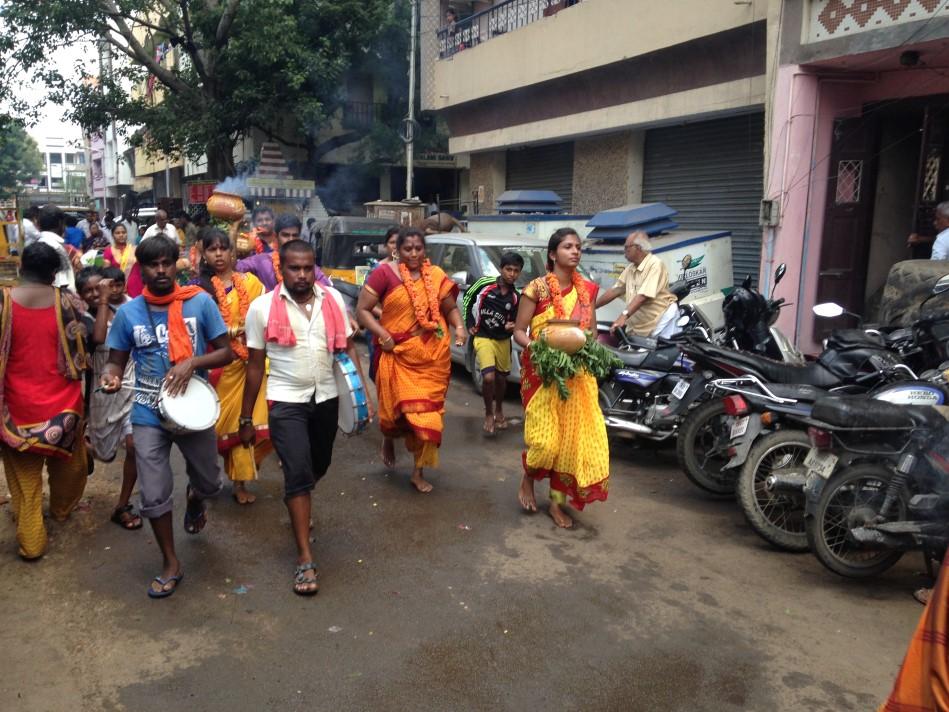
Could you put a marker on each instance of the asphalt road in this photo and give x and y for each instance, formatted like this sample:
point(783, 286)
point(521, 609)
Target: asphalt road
point(659, 600)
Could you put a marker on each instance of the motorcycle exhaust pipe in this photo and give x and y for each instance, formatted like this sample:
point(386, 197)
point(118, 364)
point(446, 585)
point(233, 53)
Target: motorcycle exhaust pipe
point(775, 484)
point(628, 426)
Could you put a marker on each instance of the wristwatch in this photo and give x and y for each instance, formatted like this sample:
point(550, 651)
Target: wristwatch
point(245, 420)
point(626, 312)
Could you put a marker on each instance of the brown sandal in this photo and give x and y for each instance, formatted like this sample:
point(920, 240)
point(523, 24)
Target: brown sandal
point(126, 517)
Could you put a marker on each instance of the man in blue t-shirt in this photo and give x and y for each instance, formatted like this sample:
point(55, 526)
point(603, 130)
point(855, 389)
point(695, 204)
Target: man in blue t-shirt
point(171, 333)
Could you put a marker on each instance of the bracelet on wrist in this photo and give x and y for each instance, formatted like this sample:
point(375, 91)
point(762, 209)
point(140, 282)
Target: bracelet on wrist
point(245, 420)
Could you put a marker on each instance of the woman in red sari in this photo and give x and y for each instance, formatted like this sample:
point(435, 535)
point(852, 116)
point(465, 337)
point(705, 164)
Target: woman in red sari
point(413, 350)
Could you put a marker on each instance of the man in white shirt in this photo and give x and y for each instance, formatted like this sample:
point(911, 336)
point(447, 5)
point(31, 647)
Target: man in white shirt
point(31, 233)
point(301, 386)
point(52, 223)
point(162, 227)
point(941, 241)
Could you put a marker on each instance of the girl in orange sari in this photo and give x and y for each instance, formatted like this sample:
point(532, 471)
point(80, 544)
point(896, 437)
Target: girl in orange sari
point(566, 439)
point(412, 350)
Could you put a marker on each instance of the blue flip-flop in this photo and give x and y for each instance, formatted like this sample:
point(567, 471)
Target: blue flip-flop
point(162, 593)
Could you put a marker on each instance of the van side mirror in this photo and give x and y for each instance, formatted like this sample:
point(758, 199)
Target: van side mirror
point(460, 278)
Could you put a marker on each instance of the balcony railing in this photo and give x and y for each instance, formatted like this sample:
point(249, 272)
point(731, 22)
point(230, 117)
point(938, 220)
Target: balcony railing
point(361, 114)
point(504, 17)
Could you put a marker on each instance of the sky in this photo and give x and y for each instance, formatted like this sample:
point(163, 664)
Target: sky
point(52, 124)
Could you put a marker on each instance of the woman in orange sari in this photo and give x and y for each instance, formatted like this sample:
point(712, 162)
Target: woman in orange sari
point(566, 439)
point(412, 350)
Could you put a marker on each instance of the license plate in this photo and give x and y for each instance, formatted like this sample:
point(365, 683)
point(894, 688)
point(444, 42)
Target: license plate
point(821, 463)
point(682, 387)
point(740, 427)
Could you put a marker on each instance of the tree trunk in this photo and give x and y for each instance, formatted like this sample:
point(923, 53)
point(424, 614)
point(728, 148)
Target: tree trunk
point(221, 160)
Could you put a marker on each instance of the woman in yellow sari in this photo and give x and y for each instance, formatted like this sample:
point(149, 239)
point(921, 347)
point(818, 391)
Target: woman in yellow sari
point(233, 293)
point(566, 439)
point(413, 350)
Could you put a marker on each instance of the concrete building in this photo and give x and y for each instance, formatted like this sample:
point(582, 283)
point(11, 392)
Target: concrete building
point(858, 129)
point(608, 102)
point(64, 180)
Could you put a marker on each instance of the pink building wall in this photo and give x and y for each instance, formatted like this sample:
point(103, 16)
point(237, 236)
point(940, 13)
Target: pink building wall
point(806, 102)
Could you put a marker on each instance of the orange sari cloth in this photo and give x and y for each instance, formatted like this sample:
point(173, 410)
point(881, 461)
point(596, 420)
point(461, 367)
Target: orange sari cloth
point(412, 379)
point(923, 682)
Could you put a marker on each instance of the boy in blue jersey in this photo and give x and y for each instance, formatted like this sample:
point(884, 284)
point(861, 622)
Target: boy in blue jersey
point(171, 333)
point(490, 307)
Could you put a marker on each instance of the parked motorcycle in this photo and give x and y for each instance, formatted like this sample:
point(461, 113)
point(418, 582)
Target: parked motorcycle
point(861, 519)
point(771, 429)
point(654, 389)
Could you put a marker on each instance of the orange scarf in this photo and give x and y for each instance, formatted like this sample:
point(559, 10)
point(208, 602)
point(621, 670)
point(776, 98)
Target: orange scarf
point(179, 343)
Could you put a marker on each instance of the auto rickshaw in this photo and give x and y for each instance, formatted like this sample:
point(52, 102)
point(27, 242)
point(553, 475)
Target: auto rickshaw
point(348, 247)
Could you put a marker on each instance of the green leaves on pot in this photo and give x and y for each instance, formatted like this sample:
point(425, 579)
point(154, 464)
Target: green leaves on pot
point(554, 366)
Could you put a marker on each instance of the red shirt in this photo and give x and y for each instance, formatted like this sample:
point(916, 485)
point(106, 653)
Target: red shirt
point(34, 386)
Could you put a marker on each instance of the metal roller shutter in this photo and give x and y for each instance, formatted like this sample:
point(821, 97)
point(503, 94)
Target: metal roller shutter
point(711, 172)
point(542, 168)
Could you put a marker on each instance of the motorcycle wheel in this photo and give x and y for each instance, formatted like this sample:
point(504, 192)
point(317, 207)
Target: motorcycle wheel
point(702, 449)
point(851, 498)
point(776, 518)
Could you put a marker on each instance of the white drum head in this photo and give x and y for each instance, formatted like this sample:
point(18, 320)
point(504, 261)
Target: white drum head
point(198, 408)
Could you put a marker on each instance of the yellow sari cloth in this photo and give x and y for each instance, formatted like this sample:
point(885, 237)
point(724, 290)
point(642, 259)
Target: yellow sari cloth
point(566, 439)
point(412, 379)
point(240, 462)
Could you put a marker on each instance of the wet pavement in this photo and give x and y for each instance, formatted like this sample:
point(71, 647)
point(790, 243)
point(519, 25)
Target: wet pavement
point(660, 600)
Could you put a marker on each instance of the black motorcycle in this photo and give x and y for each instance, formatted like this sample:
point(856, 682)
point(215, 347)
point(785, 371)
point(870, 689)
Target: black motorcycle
point(862, 518)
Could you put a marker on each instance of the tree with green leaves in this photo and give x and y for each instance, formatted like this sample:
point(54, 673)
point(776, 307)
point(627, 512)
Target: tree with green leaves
point(20, 158)
point(212, 70)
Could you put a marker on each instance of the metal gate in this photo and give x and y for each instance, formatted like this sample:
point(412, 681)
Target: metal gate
point(711, 172)
point(542, 168)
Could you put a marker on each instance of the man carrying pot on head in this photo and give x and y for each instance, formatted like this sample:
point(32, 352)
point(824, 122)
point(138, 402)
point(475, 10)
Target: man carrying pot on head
point(172, 333)
point(650, 307)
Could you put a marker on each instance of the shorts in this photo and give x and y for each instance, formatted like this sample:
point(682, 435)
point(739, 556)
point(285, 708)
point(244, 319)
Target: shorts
point(303, 435)
point(493, 354)
point(153, 462)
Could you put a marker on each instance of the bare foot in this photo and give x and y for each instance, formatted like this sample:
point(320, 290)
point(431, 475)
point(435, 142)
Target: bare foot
point(242, 495)
point(388, 452)
point(525, 495)
point(419, 482)
point(500, 421)
point(560, 517)
point(489, 425)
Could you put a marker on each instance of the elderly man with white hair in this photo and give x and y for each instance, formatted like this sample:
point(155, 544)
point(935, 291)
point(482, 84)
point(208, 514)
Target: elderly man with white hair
point(941, 242)
point(651, 308)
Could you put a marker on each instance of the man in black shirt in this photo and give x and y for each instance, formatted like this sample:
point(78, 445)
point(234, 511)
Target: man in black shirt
point(490, 307)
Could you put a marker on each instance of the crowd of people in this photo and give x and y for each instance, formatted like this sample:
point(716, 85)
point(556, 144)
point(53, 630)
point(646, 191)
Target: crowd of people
point(91, 355)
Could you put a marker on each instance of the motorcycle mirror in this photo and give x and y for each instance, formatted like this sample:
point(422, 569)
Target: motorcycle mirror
point(746, 283)
point(683, 321)
point(828, 310)
point(780, 272)
point(941, 285)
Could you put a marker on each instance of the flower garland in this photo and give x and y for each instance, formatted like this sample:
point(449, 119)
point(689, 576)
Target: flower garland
point(243, 302)
point(275, 260)
point(427, 314)
point(553, 284)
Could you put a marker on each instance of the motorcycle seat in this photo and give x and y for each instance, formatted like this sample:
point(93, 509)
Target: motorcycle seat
point(660, 358)
point(811, 373)
point(798, 391)
point(863, 412)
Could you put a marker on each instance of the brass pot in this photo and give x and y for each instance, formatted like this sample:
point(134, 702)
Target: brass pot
point(564, 334)
point(226, 206)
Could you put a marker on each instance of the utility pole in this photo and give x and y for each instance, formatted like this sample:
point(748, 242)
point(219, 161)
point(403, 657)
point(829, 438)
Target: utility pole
point(409, 135)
